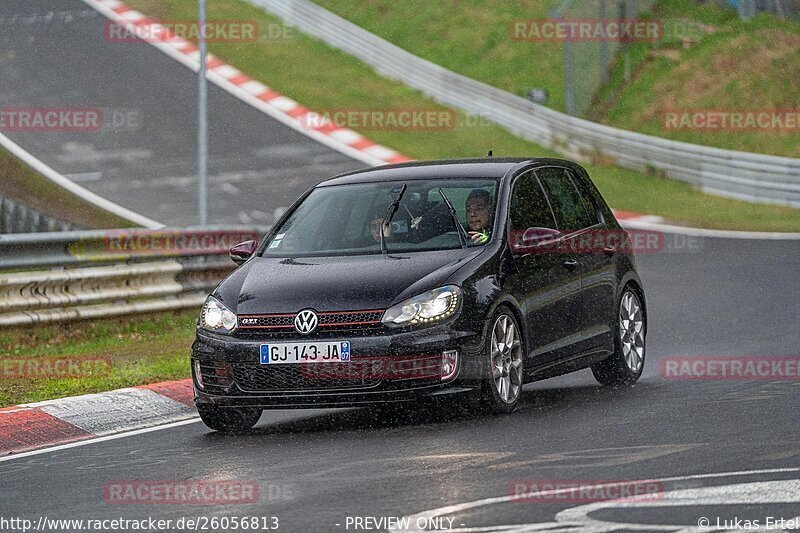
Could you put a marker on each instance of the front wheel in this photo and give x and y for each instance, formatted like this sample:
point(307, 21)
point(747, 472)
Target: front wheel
point(625, 365)
point(228, 419)
point(503, 388)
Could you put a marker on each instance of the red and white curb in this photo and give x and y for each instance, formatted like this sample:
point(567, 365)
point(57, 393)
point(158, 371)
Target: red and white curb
point(258, 95)
point(49, 423)
point(629, 216)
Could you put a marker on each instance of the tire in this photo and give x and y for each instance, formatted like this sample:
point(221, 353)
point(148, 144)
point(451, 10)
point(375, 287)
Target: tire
point(625, 365)
point(229, 419)
point(504, 351)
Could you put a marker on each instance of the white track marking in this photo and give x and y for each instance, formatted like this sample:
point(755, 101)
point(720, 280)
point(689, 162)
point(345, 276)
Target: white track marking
point(643, 224)
point(758, 492)
point(74, 188)
point(99, 439)
point(460, 507)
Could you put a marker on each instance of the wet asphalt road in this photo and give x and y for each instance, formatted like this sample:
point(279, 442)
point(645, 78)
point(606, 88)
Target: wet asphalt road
point(316, 469)
point(144, 156)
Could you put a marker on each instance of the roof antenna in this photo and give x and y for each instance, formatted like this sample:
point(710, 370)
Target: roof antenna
point(489, 154)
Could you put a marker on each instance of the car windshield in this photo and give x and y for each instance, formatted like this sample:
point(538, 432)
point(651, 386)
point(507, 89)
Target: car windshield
point(347, 219)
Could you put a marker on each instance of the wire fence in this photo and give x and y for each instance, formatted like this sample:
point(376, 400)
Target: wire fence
point(587, 62)
point(750, 8)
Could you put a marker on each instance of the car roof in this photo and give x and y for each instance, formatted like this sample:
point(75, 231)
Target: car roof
point(483, 167)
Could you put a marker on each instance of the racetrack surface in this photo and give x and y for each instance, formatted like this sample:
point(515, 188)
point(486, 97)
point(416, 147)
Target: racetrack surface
point(54, 54)
point(314, 469)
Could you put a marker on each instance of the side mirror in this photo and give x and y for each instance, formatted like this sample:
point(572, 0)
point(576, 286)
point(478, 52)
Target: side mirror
point(243, 251)
point(528, 240)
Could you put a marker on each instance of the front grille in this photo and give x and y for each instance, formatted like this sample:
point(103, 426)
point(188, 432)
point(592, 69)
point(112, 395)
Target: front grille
point(251, 377)
point(359, 373)
point(329, 322)
point(290, 334)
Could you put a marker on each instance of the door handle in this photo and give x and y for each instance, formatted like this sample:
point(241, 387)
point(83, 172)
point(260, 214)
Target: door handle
point(570, 264)
point(609, 250)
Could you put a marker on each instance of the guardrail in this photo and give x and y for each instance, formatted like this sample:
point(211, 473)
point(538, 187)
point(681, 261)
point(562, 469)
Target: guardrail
point(48, 277)
point(743, 175)
point(19, 218)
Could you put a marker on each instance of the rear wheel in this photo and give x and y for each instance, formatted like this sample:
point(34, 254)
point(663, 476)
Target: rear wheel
point(503, 388)
point(228, 419)
point(625, 365)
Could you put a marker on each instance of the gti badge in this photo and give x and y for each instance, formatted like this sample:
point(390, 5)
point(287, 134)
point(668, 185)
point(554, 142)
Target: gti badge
point(305, 322)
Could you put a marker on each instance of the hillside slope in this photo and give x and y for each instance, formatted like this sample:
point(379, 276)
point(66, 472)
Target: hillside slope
point(708, 60)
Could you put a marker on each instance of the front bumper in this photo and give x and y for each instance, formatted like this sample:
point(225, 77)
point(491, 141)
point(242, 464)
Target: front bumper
point(233, 375)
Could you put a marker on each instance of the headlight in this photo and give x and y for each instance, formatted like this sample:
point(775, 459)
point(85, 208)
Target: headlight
point(427, 308)
point(216, 317)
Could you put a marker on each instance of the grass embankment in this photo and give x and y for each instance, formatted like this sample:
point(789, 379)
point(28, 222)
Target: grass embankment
point(110, 354)
point(325, 79)
point(25, 186)
point(734, 66)
point(707, 59)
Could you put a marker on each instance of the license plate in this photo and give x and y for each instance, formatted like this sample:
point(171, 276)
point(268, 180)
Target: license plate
point(305, 352)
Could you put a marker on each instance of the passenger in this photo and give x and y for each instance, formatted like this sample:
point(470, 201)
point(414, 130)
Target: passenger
point(479, 215)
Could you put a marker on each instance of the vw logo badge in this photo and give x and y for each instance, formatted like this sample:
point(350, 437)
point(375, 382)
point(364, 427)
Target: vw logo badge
point(306, 321)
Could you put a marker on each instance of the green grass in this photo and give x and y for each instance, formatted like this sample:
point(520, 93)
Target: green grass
point(141, 350)
point(324, 79)
point(470, 37)
point(735, 64)
point(27, 187)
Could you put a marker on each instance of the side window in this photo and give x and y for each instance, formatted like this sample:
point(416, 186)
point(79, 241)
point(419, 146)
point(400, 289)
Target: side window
point(568, 205)
point(586, 198)
point(529, 207)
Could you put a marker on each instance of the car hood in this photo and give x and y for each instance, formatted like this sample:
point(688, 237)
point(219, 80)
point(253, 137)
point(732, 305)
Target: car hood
point(266, 285)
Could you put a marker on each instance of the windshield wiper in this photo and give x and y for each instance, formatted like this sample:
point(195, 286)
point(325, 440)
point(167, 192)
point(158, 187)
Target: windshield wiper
point(459, 228)
point(393, 207)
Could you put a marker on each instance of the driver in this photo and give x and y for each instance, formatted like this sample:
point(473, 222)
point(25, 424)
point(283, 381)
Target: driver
point(378, 215)
point(479, 215)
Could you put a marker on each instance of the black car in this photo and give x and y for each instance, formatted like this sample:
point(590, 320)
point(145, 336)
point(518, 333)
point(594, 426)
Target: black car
point(416, 281)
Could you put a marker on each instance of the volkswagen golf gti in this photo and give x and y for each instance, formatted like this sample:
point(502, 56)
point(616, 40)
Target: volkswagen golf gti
point(460, 279)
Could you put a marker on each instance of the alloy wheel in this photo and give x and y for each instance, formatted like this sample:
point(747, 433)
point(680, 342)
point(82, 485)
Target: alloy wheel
point(506, 356)
point(631, 331)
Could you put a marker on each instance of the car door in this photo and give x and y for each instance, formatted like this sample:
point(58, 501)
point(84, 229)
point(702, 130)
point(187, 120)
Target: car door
point(599, 272)
point(579, 220)
point(547, 288)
